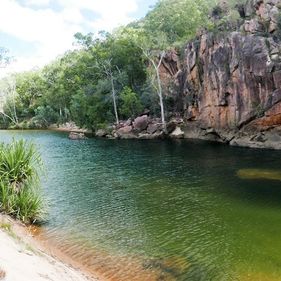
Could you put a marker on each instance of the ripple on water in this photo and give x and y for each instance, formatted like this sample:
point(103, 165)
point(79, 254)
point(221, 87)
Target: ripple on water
point(161, 210)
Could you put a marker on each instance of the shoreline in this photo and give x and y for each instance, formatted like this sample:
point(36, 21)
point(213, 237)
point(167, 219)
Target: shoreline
point(50, 262)
point(246, 141)
point(23, 257)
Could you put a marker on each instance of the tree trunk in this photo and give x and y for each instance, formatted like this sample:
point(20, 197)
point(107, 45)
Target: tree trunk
point(114, 99)
point(159, 89)
point(161, 101)
point(12, 108)
point(14, 103)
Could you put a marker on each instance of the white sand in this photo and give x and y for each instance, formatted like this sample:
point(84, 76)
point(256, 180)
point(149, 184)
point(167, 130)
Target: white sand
point(22, 263)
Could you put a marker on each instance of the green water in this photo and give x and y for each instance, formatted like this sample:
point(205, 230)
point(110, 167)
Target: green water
point(166, 210)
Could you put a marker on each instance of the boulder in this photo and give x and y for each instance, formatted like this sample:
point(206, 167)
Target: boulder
point(141, 123)
point(101, 133)
point(125, 130)
point(178, 133)
point(171, 126)
point(128, 122)
point(153, 127)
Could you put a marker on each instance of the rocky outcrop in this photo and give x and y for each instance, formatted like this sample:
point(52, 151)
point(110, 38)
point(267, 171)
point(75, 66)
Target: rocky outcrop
point(143, 128)
point(263, 13)
point(232, 79)
point(230, 82)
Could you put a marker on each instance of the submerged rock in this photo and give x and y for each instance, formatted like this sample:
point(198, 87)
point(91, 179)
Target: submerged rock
point(259, 174)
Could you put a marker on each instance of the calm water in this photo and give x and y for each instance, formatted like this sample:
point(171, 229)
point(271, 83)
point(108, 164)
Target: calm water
point(162, 210)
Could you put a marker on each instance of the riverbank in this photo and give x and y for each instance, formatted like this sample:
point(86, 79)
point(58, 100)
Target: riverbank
point(147, 128)
point(22, 258)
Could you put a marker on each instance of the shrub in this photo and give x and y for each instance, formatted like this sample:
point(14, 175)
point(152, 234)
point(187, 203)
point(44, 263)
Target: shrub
point(45, 115)
point(20, 194)
point(130, 103)
point(217, 12)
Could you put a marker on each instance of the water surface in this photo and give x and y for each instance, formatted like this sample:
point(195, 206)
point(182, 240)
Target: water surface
point(162, 210)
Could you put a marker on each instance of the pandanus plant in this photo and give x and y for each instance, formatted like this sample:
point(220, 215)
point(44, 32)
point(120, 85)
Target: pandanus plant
point(19, 163)
point(19, 181)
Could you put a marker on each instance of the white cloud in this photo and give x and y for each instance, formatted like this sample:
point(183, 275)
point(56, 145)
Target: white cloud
point(112, 12)
point(37, 2)
point(53, 30)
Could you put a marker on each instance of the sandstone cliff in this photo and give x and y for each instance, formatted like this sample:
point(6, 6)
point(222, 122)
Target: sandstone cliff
point(227, 85)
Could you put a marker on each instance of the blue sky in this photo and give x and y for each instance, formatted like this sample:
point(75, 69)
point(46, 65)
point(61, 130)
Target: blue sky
point(37, 31)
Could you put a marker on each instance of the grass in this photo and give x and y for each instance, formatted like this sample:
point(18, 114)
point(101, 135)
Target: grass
point(20, 194)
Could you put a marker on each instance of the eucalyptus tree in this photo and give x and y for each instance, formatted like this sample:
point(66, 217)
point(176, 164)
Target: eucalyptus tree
point(154, 49)
point(153, 46)
point(103, 66)
point(108, 69)
point(8, 89)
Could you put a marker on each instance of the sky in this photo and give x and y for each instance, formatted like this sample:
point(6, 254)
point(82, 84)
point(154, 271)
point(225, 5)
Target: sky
point(37, 31)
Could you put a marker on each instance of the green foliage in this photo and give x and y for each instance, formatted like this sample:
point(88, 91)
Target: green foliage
point(45, 115)
point(130, 103)
point(17, 163)
point(78, 109)
point(19, 182)
point(25, 205)
point(79, 85)
point(217, 11)
point(227, 15)
point(178, 19)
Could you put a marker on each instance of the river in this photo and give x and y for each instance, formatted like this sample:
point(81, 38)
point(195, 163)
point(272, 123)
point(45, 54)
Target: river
point(162, 210)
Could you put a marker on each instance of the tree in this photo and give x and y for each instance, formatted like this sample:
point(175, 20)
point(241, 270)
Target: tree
point(45, 115)
point(153, 46)
point(179, 20)
point(130, 103)
point(106, 67)
point(156, 61)
point(9, 91)
point(109, 75)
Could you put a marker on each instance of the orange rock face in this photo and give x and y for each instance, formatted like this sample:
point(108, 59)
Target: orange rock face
point(231, 80)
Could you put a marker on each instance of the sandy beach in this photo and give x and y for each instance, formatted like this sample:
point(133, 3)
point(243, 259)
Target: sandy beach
point(22, 260)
